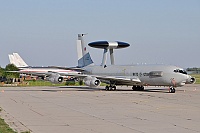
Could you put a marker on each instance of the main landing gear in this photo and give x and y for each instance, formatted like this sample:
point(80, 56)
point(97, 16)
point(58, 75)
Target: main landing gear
point(172, 89)
point(110, 88)
point(138, 88)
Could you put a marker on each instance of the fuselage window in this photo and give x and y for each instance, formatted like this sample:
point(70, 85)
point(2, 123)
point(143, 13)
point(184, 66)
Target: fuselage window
point(146, 74)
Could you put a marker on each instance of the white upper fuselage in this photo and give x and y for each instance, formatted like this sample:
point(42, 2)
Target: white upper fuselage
point(156, 75)
point(41, 71)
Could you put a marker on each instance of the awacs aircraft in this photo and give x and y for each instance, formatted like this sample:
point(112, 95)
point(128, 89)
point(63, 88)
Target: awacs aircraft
point(136, 76)
point(48, 73)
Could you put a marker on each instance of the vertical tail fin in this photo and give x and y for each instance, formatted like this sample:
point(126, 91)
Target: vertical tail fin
point(12, 60)
point(18, 61)
point(84, 58)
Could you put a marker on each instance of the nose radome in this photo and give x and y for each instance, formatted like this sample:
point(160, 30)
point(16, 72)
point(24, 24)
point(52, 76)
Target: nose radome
point(190, 80)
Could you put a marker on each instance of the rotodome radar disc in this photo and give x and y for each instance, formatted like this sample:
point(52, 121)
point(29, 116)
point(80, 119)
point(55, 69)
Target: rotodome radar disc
point(109, 45)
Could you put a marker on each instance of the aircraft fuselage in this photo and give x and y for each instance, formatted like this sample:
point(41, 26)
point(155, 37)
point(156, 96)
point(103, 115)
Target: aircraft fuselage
point(152, 75)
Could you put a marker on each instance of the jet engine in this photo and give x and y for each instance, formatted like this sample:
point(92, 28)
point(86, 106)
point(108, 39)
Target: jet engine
point(55, 78)
point(191, 80)
point(91, 81)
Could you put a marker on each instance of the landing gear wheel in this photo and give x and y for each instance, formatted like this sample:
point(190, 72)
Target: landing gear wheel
point(142, 88)
point(110, 88)
point(134, 88)
point(107, 88)
point(138, 88)
point(172, 90)
point(114, 88)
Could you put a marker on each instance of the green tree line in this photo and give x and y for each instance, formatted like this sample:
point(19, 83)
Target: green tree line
point(193, 69)
point(4, 72)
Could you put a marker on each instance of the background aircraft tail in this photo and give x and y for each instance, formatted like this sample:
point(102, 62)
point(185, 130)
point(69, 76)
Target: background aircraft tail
point(17, 60)
point(12, 60)
point(84, 58)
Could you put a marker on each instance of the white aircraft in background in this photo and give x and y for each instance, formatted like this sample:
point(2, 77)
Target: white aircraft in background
point(48, 73)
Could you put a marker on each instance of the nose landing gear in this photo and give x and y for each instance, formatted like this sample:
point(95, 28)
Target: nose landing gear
point(172, 89)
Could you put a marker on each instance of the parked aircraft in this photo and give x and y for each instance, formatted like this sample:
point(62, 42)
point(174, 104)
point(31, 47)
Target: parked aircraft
point(48, 73)
point(136, 76)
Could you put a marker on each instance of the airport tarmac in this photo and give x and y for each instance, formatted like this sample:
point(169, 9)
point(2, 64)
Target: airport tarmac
point(84, 110)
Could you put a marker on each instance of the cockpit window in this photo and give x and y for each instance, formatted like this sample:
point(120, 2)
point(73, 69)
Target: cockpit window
point(180, 71)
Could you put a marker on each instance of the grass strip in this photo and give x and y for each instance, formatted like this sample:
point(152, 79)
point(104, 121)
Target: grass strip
point(197, 77)
point(4, 128)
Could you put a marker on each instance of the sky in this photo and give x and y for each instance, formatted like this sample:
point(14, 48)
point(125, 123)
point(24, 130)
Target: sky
point(44, 32)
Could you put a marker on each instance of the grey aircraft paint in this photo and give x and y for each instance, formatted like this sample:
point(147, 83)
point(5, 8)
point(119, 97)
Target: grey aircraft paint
point(135, 75)
point(146, 74)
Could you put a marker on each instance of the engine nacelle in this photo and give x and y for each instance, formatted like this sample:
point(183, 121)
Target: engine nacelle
point(191, 80)
point(55, 78)
point(91, 81)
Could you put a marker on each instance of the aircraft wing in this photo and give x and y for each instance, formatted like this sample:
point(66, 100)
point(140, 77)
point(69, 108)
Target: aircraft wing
point(119, 80)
